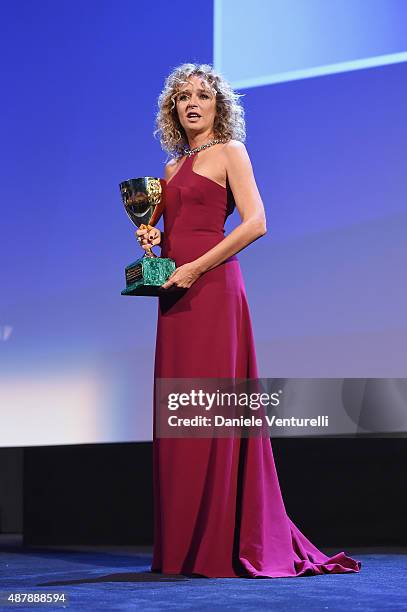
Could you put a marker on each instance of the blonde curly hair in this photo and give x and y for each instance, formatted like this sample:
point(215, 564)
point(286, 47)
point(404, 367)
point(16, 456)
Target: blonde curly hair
point(229, 120)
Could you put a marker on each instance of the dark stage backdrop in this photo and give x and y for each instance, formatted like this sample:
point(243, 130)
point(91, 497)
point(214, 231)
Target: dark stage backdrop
point(80, 87)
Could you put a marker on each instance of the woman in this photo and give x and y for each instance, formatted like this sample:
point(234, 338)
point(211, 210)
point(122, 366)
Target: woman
point(217, 501)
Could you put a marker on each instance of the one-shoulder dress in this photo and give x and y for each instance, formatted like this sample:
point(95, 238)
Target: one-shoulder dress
point(218, 507)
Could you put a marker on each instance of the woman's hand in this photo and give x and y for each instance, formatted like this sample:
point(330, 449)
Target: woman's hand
point(184, 276)
point(148, 237)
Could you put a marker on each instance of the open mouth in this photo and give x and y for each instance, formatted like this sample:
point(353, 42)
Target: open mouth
point(193, 116)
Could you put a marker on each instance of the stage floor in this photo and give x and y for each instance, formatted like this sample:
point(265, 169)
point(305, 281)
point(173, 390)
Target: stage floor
point(118, 578)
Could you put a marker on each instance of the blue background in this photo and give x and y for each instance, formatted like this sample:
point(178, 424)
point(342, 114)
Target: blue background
point(326, 285)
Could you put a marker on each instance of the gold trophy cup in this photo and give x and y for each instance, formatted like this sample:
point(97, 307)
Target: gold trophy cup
point(144, 200)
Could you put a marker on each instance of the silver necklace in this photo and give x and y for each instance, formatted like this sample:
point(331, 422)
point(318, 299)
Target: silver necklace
point(190, 152)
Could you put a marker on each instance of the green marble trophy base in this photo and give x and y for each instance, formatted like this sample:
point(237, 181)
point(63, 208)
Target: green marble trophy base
point(146, 275)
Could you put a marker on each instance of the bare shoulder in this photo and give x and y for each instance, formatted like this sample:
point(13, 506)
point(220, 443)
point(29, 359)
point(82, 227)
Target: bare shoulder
point(234, 145)
point(236, 156)
point(235, 151)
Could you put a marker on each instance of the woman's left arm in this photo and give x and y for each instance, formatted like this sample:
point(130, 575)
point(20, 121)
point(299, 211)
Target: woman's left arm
point(251, 209)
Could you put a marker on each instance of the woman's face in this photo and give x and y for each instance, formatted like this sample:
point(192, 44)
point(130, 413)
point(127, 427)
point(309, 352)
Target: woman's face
point(196, 106)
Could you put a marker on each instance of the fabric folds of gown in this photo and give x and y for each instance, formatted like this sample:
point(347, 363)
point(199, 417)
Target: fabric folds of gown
point(218, 507)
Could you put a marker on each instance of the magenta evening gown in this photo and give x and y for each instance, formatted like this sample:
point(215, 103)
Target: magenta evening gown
point(218, 508)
